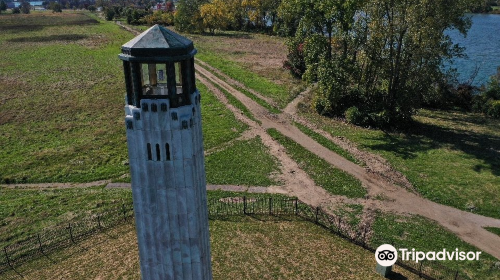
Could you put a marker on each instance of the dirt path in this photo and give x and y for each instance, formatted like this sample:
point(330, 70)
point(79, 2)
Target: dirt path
point(295, 180)
point(467, 226)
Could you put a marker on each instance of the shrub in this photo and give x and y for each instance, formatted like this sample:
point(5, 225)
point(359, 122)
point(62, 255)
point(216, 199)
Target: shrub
point(488, 102)
point(158, 17)
point(110, 14)
point(295, 62)
point(494, 109)
point(56, 7)
point(354, 116)
point(16, 11)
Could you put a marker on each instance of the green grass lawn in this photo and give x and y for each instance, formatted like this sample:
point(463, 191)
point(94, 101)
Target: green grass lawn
point(425, 235)
point(278, 93)
point(327, 143)
point(219, 124)
point(451, 158)
point(237, 238)
point(236, 103)
point(494, 230)
point(236, 165)
point(324, 175)
point(25, 212)
point(61, 98)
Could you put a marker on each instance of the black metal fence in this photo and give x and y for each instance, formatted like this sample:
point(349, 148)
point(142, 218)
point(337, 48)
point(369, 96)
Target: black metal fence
point(336, 224)
point(62, 236)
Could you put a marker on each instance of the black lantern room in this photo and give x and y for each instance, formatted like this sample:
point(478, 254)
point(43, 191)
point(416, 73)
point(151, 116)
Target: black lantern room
point(159, 64)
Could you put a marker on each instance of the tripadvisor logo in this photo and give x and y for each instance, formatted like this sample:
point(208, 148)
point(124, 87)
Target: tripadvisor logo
point(387, 255)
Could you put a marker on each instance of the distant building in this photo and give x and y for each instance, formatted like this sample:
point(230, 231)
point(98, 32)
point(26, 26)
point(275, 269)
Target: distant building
point(37, 5)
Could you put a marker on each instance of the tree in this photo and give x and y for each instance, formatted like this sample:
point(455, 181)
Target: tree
point(16, 10)
point(55, 7)
point(187, 16)
point(376, 59)
point(158, 17)
point(25, 7)
point(3, 6)
point(216, 15)
point(488, 102)
point(109, 13)
point(91, 8)
point(290, 14)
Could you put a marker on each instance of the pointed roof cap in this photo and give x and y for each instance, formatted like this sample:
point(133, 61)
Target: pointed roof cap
point(158, 43)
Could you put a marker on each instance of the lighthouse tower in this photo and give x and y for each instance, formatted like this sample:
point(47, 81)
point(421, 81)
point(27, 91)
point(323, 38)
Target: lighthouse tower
point(165, 146)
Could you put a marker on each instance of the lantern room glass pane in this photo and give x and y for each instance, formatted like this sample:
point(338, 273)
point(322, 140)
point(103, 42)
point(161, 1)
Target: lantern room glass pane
point(178, 77)
point(154, 79)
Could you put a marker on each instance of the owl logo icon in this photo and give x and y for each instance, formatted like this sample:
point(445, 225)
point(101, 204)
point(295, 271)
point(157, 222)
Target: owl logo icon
point(386, 255)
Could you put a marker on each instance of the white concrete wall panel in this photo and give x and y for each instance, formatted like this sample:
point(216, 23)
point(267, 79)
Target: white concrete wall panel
point(169, 193)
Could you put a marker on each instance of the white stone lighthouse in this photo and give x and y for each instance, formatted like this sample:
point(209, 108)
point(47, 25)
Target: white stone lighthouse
point(165, 145)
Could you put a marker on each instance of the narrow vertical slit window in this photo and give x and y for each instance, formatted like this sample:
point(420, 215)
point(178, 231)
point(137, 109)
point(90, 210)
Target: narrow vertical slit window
point(150, 156)
point(167, 151)
point(158, 157)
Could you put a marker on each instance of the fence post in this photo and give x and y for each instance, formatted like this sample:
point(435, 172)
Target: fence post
point(456, 275)
point(244, 204)
point(420, 269)
point(99, 222)
point(40, 242)
point(317, 212)
point(7, 257)
point(124, 211)
point(270, 206)
point(70, 229)
point(296, 206)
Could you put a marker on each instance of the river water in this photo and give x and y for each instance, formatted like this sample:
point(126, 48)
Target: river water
point(482, 48)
